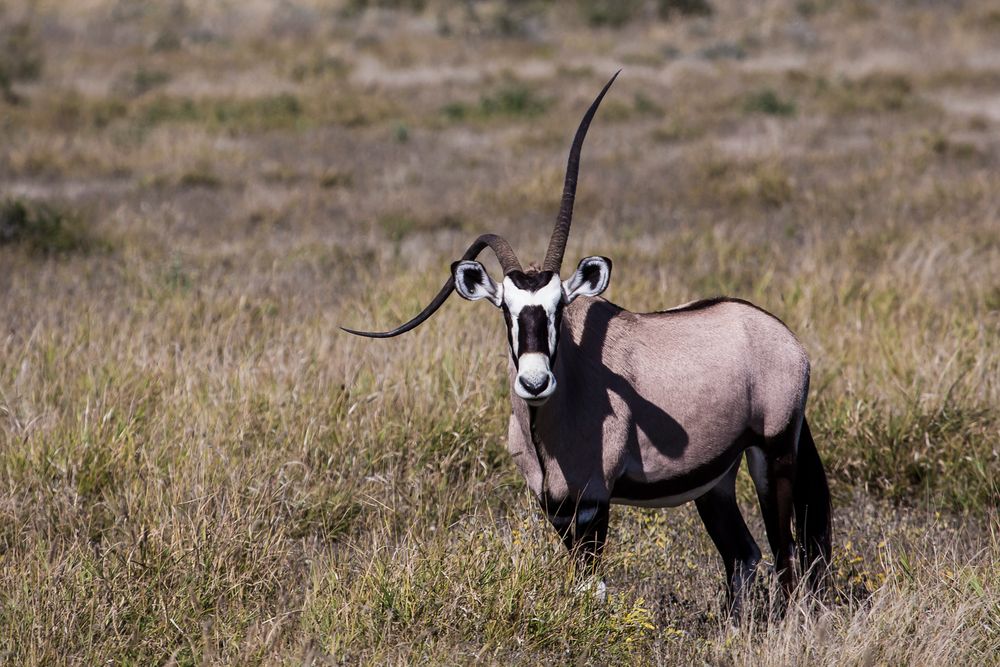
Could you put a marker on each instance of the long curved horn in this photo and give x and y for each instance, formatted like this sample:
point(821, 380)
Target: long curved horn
point(508, 262)
point(557, 244)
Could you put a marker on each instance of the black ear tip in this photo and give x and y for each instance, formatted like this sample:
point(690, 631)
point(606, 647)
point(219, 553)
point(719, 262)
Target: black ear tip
point(590, 260)
point(470, 263)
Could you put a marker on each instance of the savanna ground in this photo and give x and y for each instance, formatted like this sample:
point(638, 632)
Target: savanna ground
point(197, 467)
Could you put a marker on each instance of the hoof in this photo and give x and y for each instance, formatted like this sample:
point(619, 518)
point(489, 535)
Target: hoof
point(595, 588)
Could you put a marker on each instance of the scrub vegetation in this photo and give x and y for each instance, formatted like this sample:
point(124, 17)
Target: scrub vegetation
point(197, 467)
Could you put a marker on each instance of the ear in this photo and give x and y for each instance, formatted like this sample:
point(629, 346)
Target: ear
point(472, 282)
point(590, 278)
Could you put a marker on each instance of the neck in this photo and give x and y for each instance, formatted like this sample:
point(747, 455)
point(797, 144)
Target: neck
point(541, 421)
point(579, 368)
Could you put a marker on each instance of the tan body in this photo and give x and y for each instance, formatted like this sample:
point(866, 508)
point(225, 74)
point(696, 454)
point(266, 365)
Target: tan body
point(662, 400)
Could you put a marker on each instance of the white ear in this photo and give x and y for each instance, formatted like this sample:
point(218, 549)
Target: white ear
point(473, 283)
point(590, 278)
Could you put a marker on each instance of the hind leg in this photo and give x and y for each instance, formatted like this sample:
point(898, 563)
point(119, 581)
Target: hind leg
point(812, 510)
point(724, 521)
point(772, 467)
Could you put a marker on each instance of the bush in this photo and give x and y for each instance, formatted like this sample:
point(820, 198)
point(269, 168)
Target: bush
point(141, 81)
point(20, 57)
point(511, 100)
point(610, 13)
point(767, 101)
point(40, 228)
point(874, 93)
point(357, 6)
point(668, 8)
point(269, 112)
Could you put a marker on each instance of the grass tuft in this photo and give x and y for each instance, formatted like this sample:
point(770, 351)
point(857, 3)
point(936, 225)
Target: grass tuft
point(667, 9)
point(42, 229)
point(768, 102)
point(255, 114)
point(873, 93)
point(21, 56)
point(397, 226)
point(510, 101)
point(608, 13)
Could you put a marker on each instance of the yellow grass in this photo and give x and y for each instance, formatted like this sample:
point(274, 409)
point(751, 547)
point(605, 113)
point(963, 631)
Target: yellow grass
point(198, 467)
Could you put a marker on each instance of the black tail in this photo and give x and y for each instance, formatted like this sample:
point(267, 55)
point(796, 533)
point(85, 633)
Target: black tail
point(812, 509)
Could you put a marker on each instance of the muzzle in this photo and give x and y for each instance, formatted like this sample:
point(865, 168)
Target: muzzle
point(535, 382)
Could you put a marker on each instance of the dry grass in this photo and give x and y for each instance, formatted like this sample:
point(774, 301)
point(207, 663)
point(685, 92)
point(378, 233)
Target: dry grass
point(197, 467)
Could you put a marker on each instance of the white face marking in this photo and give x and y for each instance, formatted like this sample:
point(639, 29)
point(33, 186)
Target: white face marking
point(533, 367)
point(547, 297)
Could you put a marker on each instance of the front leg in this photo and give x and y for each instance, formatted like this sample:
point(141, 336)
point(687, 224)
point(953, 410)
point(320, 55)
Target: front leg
point(583, 528)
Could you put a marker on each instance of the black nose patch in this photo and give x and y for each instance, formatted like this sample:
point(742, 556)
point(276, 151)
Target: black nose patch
point(533, 330)
point(532, 387)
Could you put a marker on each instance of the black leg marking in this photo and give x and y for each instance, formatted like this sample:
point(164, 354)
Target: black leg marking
point(583, 528)
point(722, 518)
point(812, 510)
point(773, 471)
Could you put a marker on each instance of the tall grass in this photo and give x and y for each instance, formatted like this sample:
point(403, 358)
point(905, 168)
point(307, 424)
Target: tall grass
point(197, 467)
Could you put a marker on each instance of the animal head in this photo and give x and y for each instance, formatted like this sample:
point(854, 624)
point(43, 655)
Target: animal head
point(532, 300)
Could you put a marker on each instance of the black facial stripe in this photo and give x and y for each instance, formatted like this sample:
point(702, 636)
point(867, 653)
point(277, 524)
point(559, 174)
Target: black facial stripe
point(557, 323)
point(533, 330)
point(510, 339)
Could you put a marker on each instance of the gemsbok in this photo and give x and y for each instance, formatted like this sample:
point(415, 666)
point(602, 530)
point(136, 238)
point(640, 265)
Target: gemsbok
point(651, 409)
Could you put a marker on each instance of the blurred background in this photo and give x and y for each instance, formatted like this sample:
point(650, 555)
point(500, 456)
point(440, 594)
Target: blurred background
point(197, 466)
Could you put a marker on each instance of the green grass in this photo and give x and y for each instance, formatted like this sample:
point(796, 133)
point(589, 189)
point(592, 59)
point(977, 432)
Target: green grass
point(873, 93)
point(768, 102)
point(22, 56)
point(511, 100)
point(255, 114)
point(43, 229)
point(201, 177)
point(608, 13)
point(397, 226)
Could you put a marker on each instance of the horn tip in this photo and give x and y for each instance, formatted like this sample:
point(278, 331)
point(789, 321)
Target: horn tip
point(355, 332)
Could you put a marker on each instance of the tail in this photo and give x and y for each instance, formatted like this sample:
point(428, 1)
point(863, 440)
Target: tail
point(812, 509)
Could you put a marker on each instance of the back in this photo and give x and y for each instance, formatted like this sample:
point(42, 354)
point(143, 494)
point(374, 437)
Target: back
point(696, 361)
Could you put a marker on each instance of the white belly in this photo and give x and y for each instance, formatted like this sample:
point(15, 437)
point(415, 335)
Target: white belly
point(671, 501)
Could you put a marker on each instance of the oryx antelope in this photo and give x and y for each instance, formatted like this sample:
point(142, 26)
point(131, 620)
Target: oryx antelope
point(650, 409)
